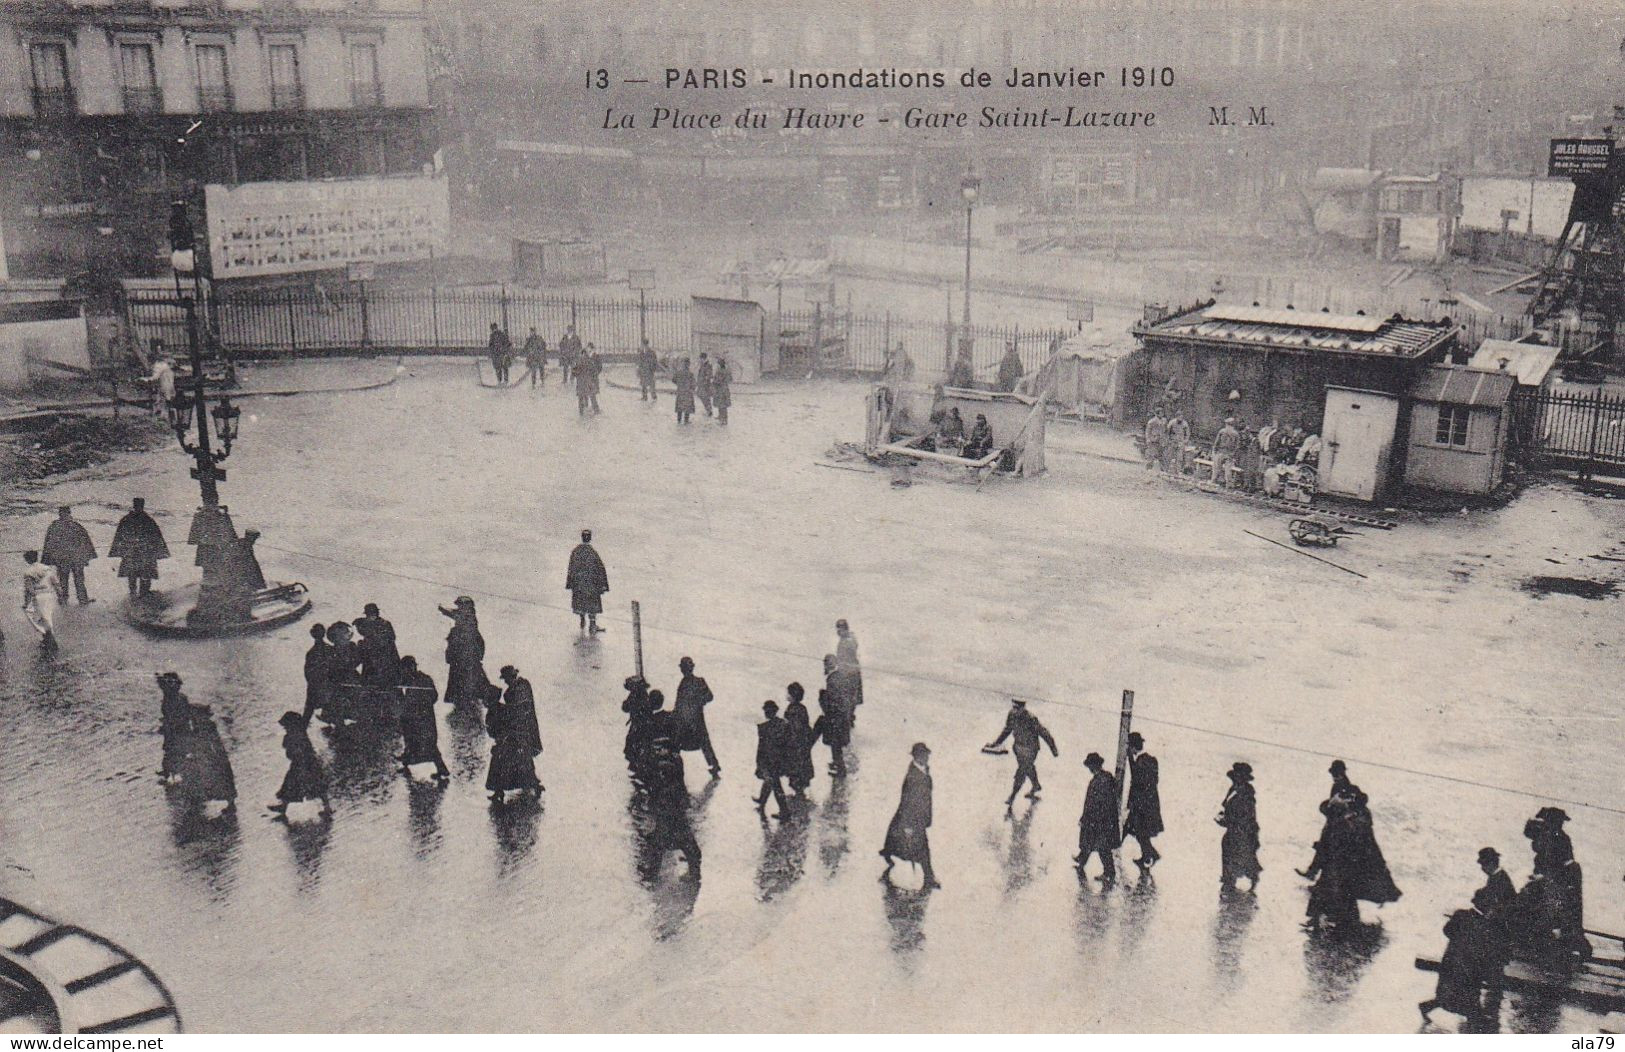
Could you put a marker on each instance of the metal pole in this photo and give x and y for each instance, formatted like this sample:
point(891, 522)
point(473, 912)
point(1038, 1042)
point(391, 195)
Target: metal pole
point(642, 337)
point(205, 460)
point(637, 636)
point(965, 324)
point(1124, 719)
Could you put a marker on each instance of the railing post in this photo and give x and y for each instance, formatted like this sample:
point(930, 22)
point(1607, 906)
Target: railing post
point(504, 308)
point(1591, 445)
point(434, 312)
point(366, 322)
point(293, 328)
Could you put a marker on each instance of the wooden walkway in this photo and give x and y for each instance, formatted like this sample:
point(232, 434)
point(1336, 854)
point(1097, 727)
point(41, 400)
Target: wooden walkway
point(88, 983)
point(1597, 985)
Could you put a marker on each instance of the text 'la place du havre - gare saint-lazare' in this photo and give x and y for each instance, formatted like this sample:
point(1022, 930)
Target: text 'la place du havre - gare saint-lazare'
point(924, 117)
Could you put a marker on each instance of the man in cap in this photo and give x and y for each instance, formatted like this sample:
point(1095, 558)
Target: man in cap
point(138, 544)
point(587, 581)
point(1027, 732)
point(1226, 446)
point(1144, 820)
point(68, 548)
point(772, 754)
point(906, 836)
point(1098, 833)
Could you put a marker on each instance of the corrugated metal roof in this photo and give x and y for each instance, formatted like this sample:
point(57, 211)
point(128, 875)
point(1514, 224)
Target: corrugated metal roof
point(1305, 330)
point(1529, 362)
point(1307, 319)
point(1462, 385)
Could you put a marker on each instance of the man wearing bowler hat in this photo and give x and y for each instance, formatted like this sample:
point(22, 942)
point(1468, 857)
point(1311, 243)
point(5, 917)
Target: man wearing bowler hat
point(1098, 832)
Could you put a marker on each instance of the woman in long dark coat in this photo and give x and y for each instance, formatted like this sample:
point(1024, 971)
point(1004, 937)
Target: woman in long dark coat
point(207, 772)
point(420, 734)
point(466, 681)
point(174, 722)
point(798, 765)
point(1238, 850)
point(683, 379)
point(305, 779)
point(906, 836)
point(511, 722)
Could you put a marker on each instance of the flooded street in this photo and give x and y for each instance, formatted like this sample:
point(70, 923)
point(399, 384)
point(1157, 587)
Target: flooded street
point(1462, 696)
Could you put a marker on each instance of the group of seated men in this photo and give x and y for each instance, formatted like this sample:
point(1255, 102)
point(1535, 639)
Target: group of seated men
point(947, 435)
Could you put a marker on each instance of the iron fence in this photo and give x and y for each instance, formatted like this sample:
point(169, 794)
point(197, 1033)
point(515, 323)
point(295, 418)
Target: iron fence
point(1583, 429)
point(317, 321)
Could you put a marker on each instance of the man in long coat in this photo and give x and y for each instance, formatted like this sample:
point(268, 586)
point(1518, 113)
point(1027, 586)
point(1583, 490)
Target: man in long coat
point(466, 681)
point(380, 657)
point(1098, 833)
point(569, 351)
point(646, 372)
point(588, 368)
point(138, 543)
point(68, 548)
point(848, 668)
point(722, 390)
point(535, 357)
point(500, 348)
point(174, 722)
point(688, 713)
point(772, 754)
point(834, 728)
point(906, 836)
point(703, 378)
point(1027, 732)
point(1010, 369)
point(683, 380)
point(1144, 819)
point(420, 734)
point(587, 581)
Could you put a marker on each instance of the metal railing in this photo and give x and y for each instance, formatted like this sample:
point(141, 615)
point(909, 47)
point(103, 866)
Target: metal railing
point(316, 321)
point(1586, 430)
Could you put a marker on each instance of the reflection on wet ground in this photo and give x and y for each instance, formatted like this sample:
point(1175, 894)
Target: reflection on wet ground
point(265, 925)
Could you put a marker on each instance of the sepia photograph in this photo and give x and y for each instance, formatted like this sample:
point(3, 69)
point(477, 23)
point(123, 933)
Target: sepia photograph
point(467, 467)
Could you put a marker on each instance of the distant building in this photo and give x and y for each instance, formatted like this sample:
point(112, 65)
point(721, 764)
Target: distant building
point(1416, 218)
point(108, 111)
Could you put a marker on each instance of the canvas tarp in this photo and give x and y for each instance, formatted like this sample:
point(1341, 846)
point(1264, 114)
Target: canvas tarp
point(1084, 375)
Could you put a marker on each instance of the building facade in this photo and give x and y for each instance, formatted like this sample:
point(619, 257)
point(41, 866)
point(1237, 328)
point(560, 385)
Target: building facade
point(110, 110)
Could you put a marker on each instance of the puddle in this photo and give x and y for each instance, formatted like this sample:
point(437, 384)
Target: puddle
point(1544, 586)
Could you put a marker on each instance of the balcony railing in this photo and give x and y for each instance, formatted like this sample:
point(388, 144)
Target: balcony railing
point(143, 100)
point(287, 97)
point(367, 96)
point(54, 102)
point(215, 100)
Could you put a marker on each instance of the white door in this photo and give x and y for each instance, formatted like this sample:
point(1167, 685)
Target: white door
point(1358, 431)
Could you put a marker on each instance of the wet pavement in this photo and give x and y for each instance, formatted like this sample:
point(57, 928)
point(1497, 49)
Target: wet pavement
point(417, 908)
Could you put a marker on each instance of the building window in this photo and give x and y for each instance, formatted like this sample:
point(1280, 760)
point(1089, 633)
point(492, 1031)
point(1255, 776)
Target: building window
point(365, 90)
point(53, 93)
point(138, 74)
point(213, 84)
point(1452, 429)
point(287, 93)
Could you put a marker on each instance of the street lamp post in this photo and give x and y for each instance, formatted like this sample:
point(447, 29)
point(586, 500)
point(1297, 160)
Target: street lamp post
point(970, 185)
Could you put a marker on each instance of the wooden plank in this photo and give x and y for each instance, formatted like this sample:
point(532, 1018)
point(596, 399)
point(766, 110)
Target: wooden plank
point(922, 454)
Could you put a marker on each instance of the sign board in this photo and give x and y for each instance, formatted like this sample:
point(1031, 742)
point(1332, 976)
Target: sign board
point(1080, 310)
point(640, 280)
point(359, 272)
point(259, 229)
point(1580, 156)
